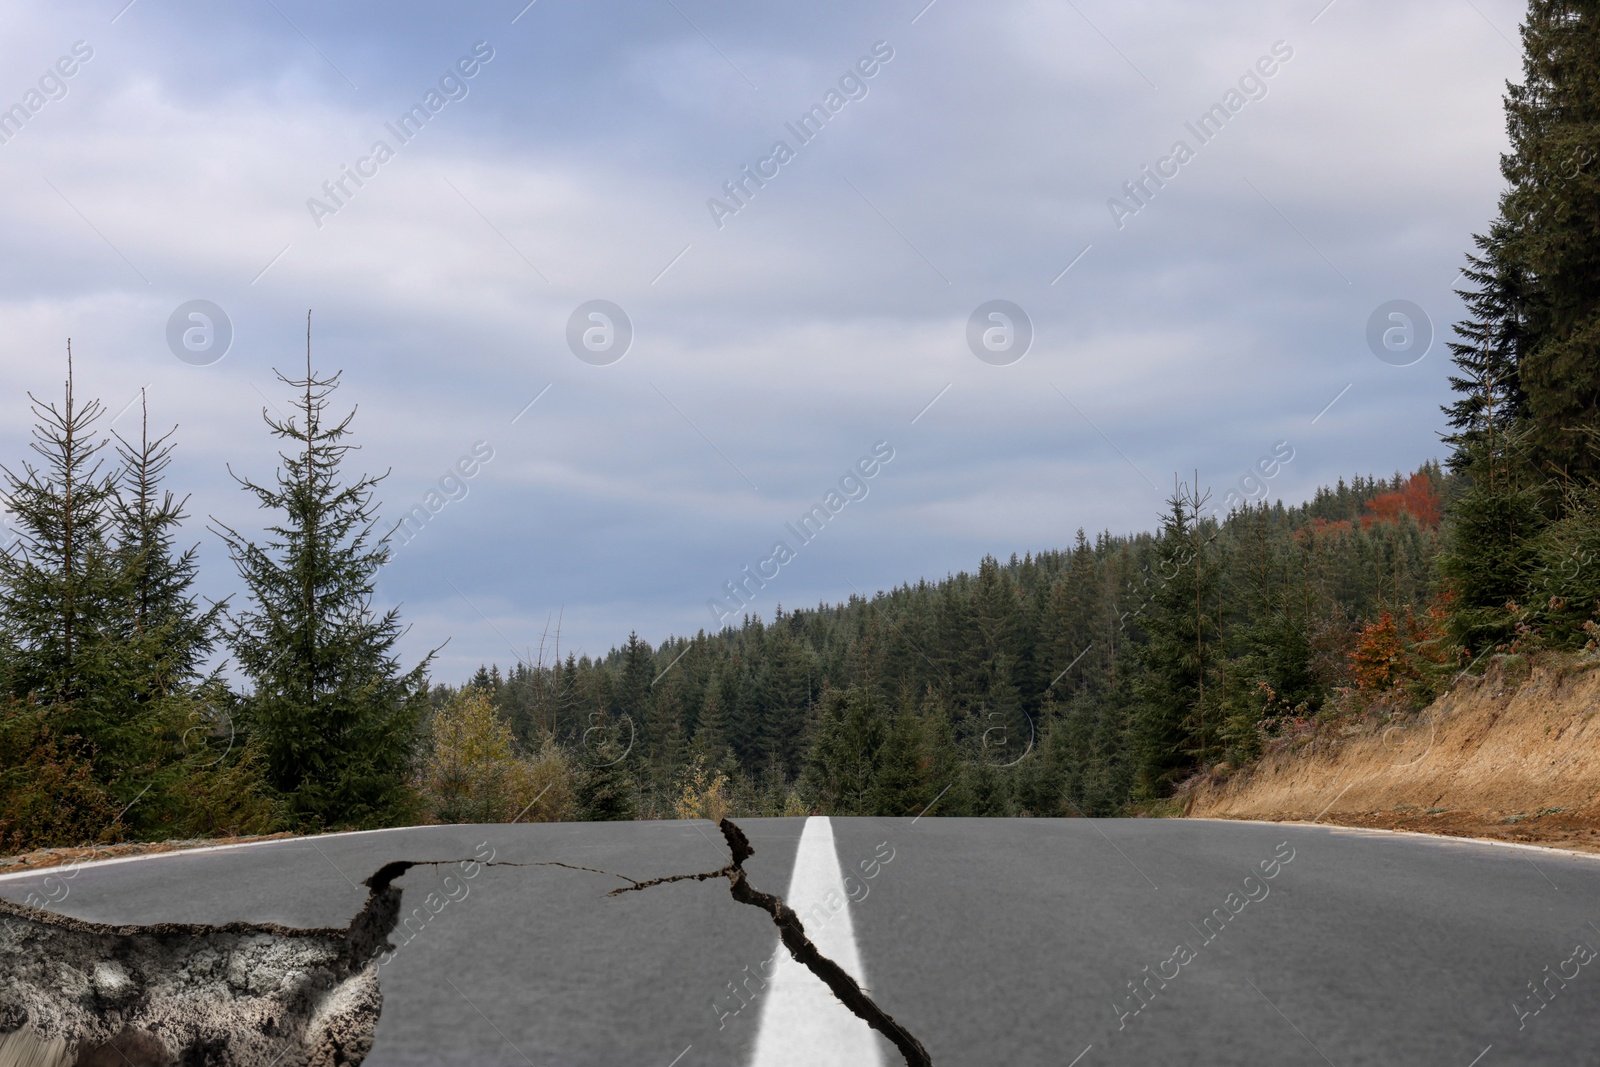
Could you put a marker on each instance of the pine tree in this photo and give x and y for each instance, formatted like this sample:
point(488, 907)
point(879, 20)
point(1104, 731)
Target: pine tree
point(945, 774)
point(60, 583)
point(990, 790)
point(711, 731)
point(1489, 560)
point(66, 598)
point(606, 790)
point(336, 716)
point(841, 771)
point(901, 785)
point(1171, 721)
point(1552, 208)
point(173, 632)
point(1489, 355)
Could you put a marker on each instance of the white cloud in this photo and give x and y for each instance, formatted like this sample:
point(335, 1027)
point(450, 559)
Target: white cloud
point(819, 319)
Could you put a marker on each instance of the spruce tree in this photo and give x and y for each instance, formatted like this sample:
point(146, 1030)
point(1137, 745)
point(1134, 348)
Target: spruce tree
point(901, 785)
point(1172, 720)
point(65, 598)
point(1490, 559)
point(606, 791)
point(783, 697)
point(165, 637)
point(665, 724)
point(711, 730)
point(1049, 772)
point(1527, 426)
point(1564, 589)
point(633, 685)
point(60, 583)
point(1552, 207)
point(842, 768)
point(1493, 339)
point(162, 612)
point(946, 777)
point(1001, 731)
point(990, 790)
point(335, 715)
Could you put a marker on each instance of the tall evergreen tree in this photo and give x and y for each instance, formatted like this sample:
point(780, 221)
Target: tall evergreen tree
point(902, 783)
point(1527, 426)
point(606, 791)
point(1172, 718)
point(1552, 208)
point(1490, 560)
point(60, 583)
point(842, 771)
point(162, 610)
point(336, 716)
point(66, 597)
point(711, 731)
point(1493, 339)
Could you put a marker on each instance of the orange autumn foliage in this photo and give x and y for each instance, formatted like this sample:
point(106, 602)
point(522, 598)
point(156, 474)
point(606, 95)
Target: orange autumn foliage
point(1379, 660)
point(1393, 653)
point(1322, 528)
point(1416, 498)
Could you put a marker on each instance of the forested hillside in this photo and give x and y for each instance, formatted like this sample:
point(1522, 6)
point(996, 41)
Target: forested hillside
point(1060, 682)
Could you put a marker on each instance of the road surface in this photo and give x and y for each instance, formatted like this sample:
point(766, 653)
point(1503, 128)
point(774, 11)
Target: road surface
point(1007, 942)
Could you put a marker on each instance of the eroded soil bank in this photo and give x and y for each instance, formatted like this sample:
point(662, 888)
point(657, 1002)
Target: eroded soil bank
point(1512, 755)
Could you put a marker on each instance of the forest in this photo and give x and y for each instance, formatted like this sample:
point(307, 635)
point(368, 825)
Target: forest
point(1089, 680)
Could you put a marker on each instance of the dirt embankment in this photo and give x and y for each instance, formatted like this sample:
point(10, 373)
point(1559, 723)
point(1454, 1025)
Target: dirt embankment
point(43, 858)
point(1513, 755)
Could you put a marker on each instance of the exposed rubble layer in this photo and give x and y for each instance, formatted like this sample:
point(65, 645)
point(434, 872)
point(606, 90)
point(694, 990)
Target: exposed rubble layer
point(83, 994)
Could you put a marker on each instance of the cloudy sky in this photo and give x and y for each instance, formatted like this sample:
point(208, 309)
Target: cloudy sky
point(955, 154)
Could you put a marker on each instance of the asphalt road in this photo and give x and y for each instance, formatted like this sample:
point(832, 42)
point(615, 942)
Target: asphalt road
point(995, 941)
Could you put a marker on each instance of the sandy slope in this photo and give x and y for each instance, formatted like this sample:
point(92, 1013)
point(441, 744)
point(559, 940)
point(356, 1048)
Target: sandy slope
point(1513, 755)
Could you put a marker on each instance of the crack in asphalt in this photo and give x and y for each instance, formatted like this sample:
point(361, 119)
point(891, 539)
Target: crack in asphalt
point(75, 993)
point(793, 935)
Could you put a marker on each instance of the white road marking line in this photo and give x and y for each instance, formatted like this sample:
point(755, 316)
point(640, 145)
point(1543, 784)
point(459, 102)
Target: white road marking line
point(802, 1022)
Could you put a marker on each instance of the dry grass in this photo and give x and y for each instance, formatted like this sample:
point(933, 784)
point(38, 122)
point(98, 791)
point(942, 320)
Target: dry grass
point(1512, 755)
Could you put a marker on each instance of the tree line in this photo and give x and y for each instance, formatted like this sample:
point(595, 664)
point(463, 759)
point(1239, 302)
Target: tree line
point(114, 723)
point(1079, 681)
point(1074, 681)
